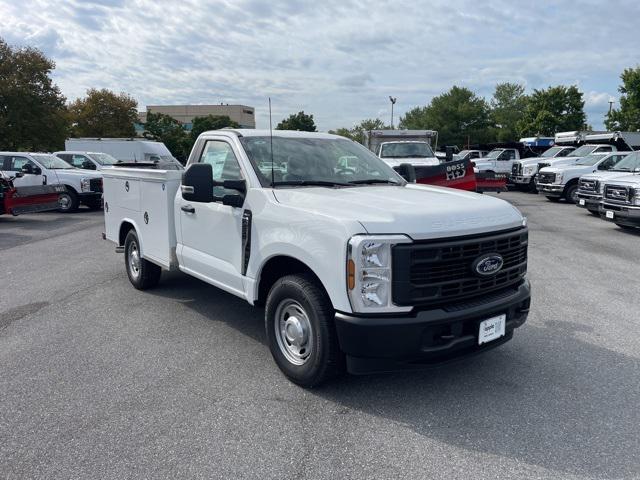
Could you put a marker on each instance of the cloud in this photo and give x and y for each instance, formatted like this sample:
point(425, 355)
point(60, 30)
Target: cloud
point(337, 59)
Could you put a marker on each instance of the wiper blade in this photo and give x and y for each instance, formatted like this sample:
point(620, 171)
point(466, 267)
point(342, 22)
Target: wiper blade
point(310, 183)
point(373, 180)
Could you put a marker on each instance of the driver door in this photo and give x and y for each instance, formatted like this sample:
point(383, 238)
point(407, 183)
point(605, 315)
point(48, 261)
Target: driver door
point(11, 164)
point(212, 232)
point(505, 161)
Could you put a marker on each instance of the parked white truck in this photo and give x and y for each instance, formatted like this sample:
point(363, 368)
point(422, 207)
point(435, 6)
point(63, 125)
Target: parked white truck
point(591, 186)
point(87, 160)
point(396, 147)
point(621, 201)
point(524, 171)
point(126, 150)
point(81, 186)
point(356, 267)
point(562, 181)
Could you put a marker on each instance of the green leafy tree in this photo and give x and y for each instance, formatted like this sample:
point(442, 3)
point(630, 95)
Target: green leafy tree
point(627, 117)
point(298, 121)
point(507, 109)
point(357, 133)
point(459, 116)
point(33, 115)
point(103, 113)
point(209, 122)
point(166, 129)
point(555, 109)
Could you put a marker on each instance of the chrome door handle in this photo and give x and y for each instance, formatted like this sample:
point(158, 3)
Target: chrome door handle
point(188, 209)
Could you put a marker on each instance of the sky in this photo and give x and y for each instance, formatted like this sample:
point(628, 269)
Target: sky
point(338, 60)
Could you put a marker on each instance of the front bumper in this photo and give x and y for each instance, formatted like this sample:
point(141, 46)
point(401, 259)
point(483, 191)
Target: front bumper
point(589, 201)
point(428, 337)
point(621, 214)
point(550, 190)
point(521, 179)
point(90, 197)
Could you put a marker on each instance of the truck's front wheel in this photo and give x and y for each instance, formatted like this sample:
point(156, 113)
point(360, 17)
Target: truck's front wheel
point(299, 323)
point(142, 273)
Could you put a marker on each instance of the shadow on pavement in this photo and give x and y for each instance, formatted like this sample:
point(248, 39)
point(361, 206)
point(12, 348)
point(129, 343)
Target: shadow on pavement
point(547, 398)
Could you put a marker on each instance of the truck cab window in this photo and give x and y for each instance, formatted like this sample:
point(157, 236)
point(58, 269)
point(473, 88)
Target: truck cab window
point(16, 164)
point(224, 163)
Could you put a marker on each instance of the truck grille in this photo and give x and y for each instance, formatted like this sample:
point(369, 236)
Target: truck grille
point(617, 194)
point(516, 169)
point(438, 272)
point(95, 185)
point(546, 178)
point(589, 186)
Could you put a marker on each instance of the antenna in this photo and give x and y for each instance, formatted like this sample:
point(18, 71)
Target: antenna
point(271, 140)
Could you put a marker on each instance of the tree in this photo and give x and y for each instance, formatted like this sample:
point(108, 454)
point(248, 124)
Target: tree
point(627, 117)
point(166, 129)
point(103, 113)
point(33, 115)
point(357, 133)
point(507, 109)
point(555, 109)
point(459, 116)
point(298, 121)
point(209, 122)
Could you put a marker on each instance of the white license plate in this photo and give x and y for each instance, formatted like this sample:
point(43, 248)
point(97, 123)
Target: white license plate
point(491, 329)
point(582, 202)
point(609, 214)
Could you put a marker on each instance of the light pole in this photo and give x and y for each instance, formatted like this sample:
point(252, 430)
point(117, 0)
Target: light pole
point(611, 102)
point(393, 102)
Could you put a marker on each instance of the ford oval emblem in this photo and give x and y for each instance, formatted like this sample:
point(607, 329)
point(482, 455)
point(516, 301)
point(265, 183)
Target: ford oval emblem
point(488, 264)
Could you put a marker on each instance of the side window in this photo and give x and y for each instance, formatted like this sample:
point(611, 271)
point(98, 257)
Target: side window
point(565, 152)
point(609, 162)
point(475, 155)
point(78, 160)
point(220, 156)
point(17, 163)
point(604, 149)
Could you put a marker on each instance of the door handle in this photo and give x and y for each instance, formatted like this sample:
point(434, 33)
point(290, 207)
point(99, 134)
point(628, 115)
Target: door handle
point(188, 209)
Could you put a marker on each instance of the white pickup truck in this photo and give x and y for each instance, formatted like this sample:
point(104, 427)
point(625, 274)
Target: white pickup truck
point(498, 160)
point(562, 181)
point(356, 268)
point(81, 186)
point(621, 200)
point(591, 186)
point(524, 171)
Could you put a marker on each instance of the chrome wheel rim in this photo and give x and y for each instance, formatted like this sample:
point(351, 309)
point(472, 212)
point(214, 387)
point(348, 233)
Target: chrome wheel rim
point(134, 260)
point(64, 201)
point(293, 332)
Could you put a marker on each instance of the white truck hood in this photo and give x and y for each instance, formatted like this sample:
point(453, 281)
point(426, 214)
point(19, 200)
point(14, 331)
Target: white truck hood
point(78, 172)
point(420, 211)
point(632, 180)
point(415, 161)
point(606, 175)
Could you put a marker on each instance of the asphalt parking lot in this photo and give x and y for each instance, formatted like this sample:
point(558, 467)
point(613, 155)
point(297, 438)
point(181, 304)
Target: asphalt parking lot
point(98, 380)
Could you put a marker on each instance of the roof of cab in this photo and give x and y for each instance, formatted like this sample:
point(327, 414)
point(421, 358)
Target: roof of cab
point(247, 132)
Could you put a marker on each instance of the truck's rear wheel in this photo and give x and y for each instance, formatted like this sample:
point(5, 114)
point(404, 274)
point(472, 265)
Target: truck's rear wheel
point(299, 323)
point(142, 273)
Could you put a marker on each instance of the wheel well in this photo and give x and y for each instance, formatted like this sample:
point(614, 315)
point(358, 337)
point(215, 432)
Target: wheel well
point(124, 230)
point(69, 187)
point(570, 183)
point(278, 267)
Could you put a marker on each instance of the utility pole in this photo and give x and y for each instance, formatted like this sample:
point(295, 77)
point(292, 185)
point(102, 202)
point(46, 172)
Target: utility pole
point(393, 102)
point(611, 102)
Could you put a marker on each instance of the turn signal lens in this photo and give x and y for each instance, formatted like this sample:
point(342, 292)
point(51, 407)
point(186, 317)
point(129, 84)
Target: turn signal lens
point(351, 274)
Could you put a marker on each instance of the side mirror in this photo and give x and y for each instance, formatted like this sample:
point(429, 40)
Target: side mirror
point(197, 183)
point(27, 169)
point(19, 175)
point(87, 165)
point(37, 170)
point(238, 185)
point(407, 171)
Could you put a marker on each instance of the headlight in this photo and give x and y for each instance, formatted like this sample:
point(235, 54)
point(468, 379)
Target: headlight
point(558, 178)
point(84, 185)
point(599, 186)
point(529, 170)
point(369, 272)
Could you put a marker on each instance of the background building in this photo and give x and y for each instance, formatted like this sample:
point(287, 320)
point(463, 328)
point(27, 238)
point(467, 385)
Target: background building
point(241, 114)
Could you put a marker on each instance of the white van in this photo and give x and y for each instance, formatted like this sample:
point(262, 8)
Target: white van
point(128, 150)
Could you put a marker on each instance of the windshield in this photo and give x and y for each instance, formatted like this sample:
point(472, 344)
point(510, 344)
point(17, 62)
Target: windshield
point(494, 154)
point(582, 151)
point(628, 163)
point(406, 150)
point(103, 158)
point(589, 160)
point(552, 152)
point(325, 161)
point(52, 162)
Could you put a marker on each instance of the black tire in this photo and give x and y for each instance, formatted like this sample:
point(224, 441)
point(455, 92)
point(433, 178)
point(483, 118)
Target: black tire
point(324, 359)
point(532, 187)
point(94, 204)
point(571, 193)
point(553, 199)
point(142, 273)
point(626, 227)
point(68, 201)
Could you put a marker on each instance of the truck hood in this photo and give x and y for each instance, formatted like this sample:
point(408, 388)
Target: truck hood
point(78, 172)
point(420, 211)
point(415, 161)
point(571, 170)
point(606, 175)
point(632, 180)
